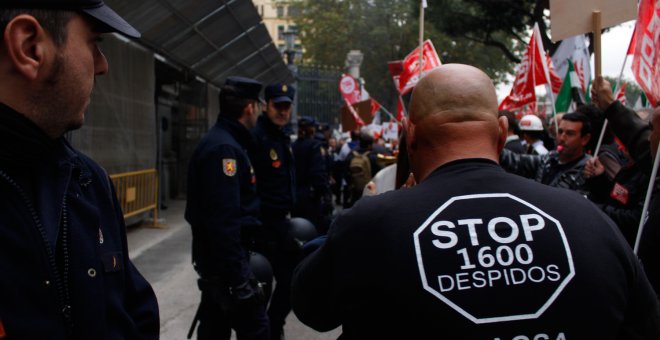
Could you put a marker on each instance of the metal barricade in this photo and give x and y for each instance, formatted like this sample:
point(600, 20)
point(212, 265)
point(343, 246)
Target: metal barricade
point(137, 192)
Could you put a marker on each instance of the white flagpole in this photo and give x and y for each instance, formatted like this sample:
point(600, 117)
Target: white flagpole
point(422, 5)
point(642, 219)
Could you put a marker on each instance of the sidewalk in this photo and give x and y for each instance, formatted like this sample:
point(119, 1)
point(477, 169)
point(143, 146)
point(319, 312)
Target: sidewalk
point(163, 256)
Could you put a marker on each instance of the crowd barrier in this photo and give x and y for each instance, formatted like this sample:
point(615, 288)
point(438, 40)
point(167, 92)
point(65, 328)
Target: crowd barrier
point(137, 192)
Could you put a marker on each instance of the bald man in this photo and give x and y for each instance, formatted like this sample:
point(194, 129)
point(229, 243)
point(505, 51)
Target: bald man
point(472, 252)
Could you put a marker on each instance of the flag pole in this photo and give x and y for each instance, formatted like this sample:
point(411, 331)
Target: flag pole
point(616, 90)
point(422, 5)
point(642, 219)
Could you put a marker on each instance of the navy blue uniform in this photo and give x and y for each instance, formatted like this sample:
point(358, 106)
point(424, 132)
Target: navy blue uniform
point(63, 251)
point(273, 165)
point(223, 203)
point(475, 253)
point(311, 179)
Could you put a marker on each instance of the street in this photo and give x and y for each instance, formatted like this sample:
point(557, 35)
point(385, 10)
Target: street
point(163, 256)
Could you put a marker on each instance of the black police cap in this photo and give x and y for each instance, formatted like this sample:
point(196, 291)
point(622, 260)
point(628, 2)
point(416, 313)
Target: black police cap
point(280, 93)
point(96, 9)
point(306, 121)
point(244, 87)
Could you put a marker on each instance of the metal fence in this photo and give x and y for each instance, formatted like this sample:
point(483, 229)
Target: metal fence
point(318, 93)
point(137, 192)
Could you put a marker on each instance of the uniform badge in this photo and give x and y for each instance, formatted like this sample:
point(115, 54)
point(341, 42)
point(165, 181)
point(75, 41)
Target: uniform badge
point(273, 154)
point(619, 193)
point(276, 164)
point(100, 236)
point(229, 166)
point(284, 88)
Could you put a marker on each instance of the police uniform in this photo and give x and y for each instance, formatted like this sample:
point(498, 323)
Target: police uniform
point(63, 251)
point(273, 165)
point(475, 253)
point(222, 204)
point(311, 176)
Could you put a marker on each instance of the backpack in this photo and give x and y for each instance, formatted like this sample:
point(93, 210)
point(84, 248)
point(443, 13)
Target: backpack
point(360, 170)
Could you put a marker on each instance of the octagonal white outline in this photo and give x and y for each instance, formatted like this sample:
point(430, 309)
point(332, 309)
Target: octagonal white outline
point(469, 316)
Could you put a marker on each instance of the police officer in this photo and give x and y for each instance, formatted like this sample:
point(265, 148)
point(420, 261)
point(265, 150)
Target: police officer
point(222, 206)
point(273, 164)
point(311, 173)
point(472, 252)
point(64, 259)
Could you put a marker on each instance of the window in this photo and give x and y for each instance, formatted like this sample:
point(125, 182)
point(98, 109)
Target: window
point(280, 11)
point(280, 32)
point(294, 10)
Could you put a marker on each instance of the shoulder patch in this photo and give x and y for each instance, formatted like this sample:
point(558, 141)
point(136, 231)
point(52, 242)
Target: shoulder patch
point(229, 166)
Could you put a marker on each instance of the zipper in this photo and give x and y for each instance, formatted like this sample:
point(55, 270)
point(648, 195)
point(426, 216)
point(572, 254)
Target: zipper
point(61, 285)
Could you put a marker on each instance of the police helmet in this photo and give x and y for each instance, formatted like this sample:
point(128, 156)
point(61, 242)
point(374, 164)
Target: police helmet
point(301, 231)
point(263, 272)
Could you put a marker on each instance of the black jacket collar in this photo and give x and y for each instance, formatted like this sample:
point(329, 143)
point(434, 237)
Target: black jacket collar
point(23, 143)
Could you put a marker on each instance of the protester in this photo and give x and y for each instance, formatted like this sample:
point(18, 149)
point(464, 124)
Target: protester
point(532, 131)
point(513, 141)
point(64, 259)
point(641, 140)
point(222, 207)
point(274, 168)
point(421, 263)
point(560, 168)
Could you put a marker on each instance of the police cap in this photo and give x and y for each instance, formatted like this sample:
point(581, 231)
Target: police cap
point(245, 88)
point(96, 9)
point(306, 121)
point(280, 93)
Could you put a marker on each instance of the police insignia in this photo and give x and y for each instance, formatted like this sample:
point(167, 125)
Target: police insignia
point(284, 88)
point(273, 154)
point(229, 166)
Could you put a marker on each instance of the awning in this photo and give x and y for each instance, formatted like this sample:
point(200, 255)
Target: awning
point(212, 38)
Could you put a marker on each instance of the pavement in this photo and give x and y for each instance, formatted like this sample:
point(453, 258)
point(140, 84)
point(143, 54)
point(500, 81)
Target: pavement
point(163, 256)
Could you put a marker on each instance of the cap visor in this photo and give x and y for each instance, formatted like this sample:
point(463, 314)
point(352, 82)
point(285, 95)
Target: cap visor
point(283, 99)
point(115, 23)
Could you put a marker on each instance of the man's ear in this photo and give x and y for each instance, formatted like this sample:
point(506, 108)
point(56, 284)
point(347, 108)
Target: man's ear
point(585, 139)
point(26, 44)
point(503, 132)
point(411, 139)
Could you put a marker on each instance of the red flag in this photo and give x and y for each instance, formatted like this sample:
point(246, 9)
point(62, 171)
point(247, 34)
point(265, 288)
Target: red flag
point(633, 42)
point(354, 113)
point(350, 89)
point(396, 67)
point(646, 65)
point(410, 73)
point(375, 106)
point(579, 70)
point(531, 72)
point(555, 79)
point(620, 94)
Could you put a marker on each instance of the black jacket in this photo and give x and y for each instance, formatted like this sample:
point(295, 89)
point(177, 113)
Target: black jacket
point(634, 133)
point(222, 202)
point(546, 169)
point(475, 253)
point(273, 164)
point(64, 259)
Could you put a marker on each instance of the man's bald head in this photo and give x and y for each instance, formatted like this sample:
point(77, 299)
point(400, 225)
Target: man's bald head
point(453, 115)
point(457, 93)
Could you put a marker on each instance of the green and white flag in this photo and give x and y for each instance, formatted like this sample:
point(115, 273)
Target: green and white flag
point(570, 91)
